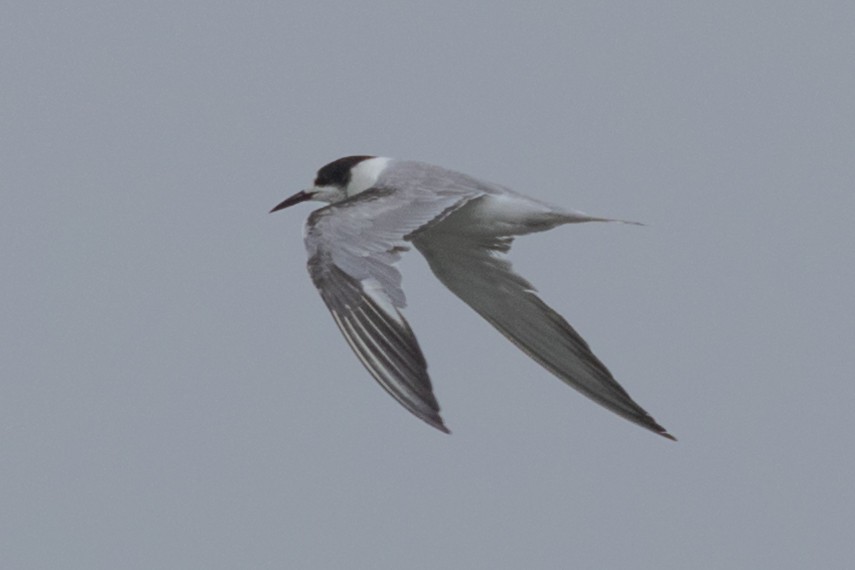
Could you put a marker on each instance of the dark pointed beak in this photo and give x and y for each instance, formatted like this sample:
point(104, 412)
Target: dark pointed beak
point(300, 196)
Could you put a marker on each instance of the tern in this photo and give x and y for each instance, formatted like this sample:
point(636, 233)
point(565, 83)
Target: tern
point(378, 207)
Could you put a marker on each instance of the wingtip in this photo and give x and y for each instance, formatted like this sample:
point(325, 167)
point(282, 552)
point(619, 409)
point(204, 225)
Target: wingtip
point(436, 422)
point(667, 435)
point(658, 429)
point(440, 425)
point(654, 426)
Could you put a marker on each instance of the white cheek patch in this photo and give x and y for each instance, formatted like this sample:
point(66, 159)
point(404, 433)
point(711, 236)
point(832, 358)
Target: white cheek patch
point(365, 174)
point(329, 194)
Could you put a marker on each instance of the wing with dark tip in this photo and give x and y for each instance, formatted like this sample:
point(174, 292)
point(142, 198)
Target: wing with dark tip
point(473, 267)
point(353, 246)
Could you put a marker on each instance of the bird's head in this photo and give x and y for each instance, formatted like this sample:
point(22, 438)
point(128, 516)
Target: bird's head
point(339, 180)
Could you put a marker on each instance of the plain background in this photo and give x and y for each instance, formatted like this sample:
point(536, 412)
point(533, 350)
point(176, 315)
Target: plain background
point(175, 395)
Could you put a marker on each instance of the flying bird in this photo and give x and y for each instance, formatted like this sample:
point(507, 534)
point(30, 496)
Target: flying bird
point(377, 208)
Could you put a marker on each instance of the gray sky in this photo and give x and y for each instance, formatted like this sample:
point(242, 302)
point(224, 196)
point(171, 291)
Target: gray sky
point(175, 395)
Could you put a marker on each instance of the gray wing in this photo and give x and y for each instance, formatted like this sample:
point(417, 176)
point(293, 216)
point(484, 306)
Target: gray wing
point(473, 267)
point(353, 246)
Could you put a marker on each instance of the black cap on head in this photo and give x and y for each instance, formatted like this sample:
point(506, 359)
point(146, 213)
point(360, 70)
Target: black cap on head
point(337, 172)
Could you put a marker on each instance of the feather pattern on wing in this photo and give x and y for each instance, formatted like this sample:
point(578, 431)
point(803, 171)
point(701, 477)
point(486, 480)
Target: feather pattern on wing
point(353, 246)
point(472, 265)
